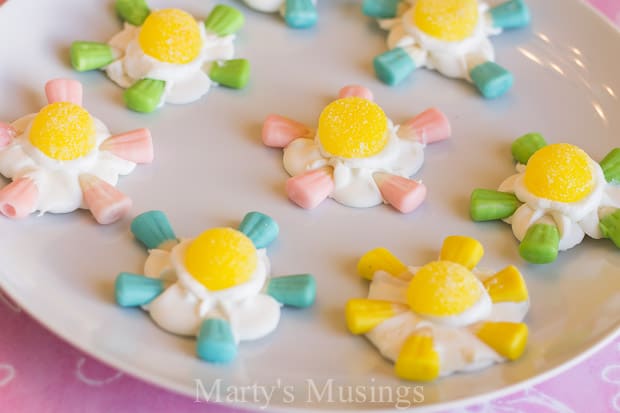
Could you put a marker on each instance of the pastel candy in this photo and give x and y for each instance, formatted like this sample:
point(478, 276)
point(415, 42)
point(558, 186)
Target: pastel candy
point(506, 285)
point(610, 227)
point(216, 342)
point(462, 250)
point(134, 290)
point(491, 79)
point(308, 190)
point(224, 20)
point(132, 11)
point(430, 126)
point(64, 90)
point(525, 146)
point(379, 259)
point(489, 205)
point(610, 165)
point(300, 14)
point(381, 9)
point(18, 199)
point(279, 131)
point(90, 55)
point(393, 66)
point(152, 229)
point(418, 360)
point(293, 290)
point(145, 95)
point(355, 90)
point(106, 203)
point(364, 314)
point(512, 14)
point(540, 244)
point(508, 339)
point(402, 193)
point(135, 146)
point(259, 228)
point(7, 134)
point(234, 73)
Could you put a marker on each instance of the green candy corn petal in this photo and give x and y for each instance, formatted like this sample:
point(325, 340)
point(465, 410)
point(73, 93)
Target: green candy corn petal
point(90, 55)
point(145, 95)
point(611, 166)
point(489, 205)
point(525, 146)
point(132, 11)
point(610, 227)
point(224, 20)
point(233, 73)
point(540, 244)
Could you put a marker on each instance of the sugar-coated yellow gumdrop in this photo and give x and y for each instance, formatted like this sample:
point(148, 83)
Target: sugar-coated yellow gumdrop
point(221, 258)
point(353, 127)
point(449, 20)
point(559, 172)
point(63, 131)
point(443, 288)
point(171, 36)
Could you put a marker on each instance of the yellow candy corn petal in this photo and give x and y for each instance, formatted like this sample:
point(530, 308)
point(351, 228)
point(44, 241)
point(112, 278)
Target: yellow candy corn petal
point(364, 314)
point(418, 360)
point(462, 250)
point(379, 259)
point(507, 339)
point(507, 285)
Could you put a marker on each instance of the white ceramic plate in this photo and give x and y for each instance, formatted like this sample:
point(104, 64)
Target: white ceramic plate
point(211, 168)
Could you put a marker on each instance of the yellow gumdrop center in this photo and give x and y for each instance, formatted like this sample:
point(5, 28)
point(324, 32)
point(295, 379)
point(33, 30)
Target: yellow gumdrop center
point(443, 288)
point(221, 258)
point(171, 36)
point(353, 127)
point(449, 20)
point(559, 172)
point(63, 131)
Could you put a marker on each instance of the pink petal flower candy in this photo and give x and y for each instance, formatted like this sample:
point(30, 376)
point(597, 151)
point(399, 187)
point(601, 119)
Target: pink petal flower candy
point(427, 127)
point(106, 203)
point(18, 199)
point(64, 90)
point(7, 134)
point(135, 146)
point(279, 131)
point(355, 90)
point(309, 189)
point(402, 193)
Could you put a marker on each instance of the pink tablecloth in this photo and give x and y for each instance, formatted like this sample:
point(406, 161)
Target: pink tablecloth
point(41, 373)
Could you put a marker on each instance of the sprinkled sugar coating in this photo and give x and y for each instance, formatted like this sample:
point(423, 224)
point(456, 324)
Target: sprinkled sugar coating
point(170, 35)
point(450, 20)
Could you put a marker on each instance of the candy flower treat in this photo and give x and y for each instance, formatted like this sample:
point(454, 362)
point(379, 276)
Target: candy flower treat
point(450, 36)
point(166, 55)
point(356, 156)
point(444, 317)
point(216, 286)
point(62, 158)
point(298, 14)
point(558, 195)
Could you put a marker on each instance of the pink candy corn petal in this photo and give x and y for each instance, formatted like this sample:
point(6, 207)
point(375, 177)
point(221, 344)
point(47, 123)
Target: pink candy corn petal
point(18, 199)
point(308, 190)
point(106, 203)
point(427, 127)
point(7, 133)
point(279, 131)
point(355, 90)
point(135, 146)
point(64, 90)
point(403, 194)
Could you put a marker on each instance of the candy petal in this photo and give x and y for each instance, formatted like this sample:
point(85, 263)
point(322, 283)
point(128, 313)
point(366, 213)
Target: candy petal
point(355, 90)
point(293, 290)
point(233, 73)
point(153, 229)
point(145, 95)
point(279, 131)
point(610, 227)
point(311, 188)
point(18, 199)
point(224, 20)
point(133, 290)
point(540, 244)
point(491, 79)
point(300, 14)
point(381, 9)
point(507, 285)
point(132, 11)
point(511, 14)
point(106, 203)
point(507, 339)
point(402, 193)
point(489, 205)
point(379, 259)
point(430, 126)
point(364, 314)
point(90, 55)
point(610, 165)
point(216, 342)
point(7, 134)
point(393, 66)
point(525, 146)
point(418, 360)
point(64, 90)
point(135, 146)
point(260, 228)
point(462, 250)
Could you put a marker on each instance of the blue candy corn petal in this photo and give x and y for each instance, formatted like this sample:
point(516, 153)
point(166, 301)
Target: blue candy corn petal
point(216, 342)
point(133, 290)
point(511, 15)
point(300, 14)
point(293, 290)
point(260, 228)
point(381, 9)
point(132, 11)
point(393, 66)
point(491, 79)
point(152, 229)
